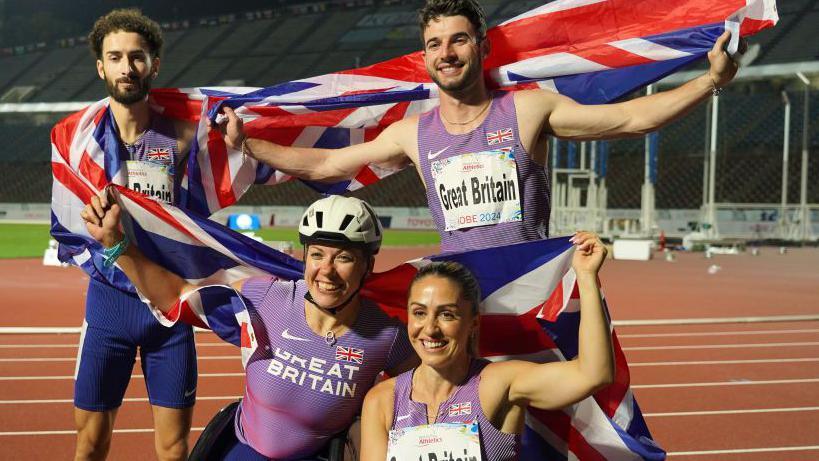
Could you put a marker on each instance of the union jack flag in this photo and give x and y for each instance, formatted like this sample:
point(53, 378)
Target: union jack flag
point(530, 311)
point(159, 154)
point(593, 51)
point(497, 137)
point(350, 354)
point(458, 409)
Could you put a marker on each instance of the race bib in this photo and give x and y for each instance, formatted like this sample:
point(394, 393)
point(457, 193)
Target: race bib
point(152, 179)
point(478, 189)
point(436, 442)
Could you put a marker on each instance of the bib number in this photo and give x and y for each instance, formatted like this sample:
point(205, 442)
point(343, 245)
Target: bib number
point(436, 442)
point(478, 189)
point(151, 179)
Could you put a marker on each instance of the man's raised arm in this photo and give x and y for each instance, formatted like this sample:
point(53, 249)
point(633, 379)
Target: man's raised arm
point(567, 119)
point(325, 165)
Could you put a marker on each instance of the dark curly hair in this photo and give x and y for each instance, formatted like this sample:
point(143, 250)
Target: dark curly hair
point(126, 20)
point(470, 9)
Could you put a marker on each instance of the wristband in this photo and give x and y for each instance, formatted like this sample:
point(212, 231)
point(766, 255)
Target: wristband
point(714, 90)
point(110, 255)
point(246, 152)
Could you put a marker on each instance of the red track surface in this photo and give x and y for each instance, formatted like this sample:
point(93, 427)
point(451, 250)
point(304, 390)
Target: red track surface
point(703, 388)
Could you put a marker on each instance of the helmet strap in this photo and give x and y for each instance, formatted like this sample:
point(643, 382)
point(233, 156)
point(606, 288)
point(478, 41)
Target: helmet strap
point(335, 310)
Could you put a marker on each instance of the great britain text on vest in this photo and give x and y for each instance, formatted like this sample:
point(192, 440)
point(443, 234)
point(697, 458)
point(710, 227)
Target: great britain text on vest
point(314, 373)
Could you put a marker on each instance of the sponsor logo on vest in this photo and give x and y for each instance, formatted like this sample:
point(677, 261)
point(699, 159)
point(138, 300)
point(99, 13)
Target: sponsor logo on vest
point(431, 156)
point(423, 441)
point(287, 335)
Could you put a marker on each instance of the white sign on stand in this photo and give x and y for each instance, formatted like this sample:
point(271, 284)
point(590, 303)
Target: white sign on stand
point(635, 250)
point(50, 257)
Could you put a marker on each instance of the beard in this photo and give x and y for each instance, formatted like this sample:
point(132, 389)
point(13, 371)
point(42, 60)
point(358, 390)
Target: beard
point(138, 91)
point(473, 72)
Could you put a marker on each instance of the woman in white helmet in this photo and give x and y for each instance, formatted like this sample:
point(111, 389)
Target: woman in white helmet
point(318, 346)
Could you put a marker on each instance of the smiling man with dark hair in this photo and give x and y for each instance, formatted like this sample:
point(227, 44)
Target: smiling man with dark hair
point(482, 154)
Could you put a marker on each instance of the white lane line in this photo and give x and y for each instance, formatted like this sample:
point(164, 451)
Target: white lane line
point(715, 320)
point(743, 450)
point(616, 323)
point(74, 359)
point(630, 364)
point(717, 333)
point(130, 399)
point(720, 362)
point(719, 346)
point(731, 412)
point(74, 432)
point(633, 348)
point(64, 346)
point(61, 330)
point(71, 377)
point(725, 383)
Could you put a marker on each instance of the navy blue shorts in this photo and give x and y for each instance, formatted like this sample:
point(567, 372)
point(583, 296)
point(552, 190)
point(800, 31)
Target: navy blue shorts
point(116, 325)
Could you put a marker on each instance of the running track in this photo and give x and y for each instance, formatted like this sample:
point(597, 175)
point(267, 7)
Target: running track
point(710, 391)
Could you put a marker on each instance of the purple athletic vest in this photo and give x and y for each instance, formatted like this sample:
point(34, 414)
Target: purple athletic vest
point(156, 145)
point(300, 390)
point(463, 405)
point(498, 131)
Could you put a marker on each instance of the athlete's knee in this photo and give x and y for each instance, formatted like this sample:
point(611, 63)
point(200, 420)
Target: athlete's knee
point(172, 450)
point(94, 431)
point(172, 427)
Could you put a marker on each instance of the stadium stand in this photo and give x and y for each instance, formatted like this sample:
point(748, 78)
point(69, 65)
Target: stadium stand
point(291, 40)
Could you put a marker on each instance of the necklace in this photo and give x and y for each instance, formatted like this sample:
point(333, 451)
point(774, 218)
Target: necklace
point(131, 145)
point(486, 106)
point(330, 338)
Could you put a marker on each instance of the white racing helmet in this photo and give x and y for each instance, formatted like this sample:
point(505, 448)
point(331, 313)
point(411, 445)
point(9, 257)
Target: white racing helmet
point(341, 220)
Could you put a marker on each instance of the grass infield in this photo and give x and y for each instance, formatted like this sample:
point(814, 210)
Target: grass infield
point(31, 240)
point(23, 240)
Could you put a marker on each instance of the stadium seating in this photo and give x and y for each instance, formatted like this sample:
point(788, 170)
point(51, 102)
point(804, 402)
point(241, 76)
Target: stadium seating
point(265, 49)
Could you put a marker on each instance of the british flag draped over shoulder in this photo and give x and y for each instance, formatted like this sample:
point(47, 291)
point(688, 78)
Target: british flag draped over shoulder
point(593, 51)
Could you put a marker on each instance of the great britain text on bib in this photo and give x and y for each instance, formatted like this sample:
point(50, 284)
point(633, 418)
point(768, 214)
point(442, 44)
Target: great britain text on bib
point(152, 179)
point(478, 189)
point(436, 442)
